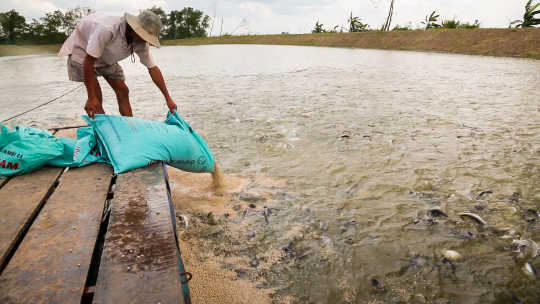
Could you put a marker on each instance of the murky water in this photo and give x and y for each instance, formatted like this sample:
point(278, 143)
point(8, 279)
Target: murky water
point(367, 141)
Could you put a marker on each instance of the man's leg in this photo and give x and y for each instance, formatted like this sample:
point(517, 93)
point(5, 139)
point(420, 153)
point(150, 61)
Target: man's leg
point(122, 95)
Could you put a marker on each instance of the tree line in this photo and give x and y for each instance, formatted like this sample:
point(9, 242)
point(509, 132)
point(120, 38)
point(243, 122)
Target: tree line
point(431, 21)
point(56, 26)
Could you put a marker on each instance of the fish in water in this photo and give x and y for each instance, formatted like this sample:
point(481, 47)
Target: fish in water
point(525, 248)
point(436, 211)
point(185, 220)
point(532, 215)
point(451, 255)
point(529, 271)
point(484, 193)
point(377, 285)
point(474, 217)
point(266, 213)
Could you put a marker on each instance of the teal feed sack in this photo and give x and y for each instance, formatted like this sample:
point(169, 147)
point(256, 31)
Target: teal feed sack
point(81, 152)
point(87, 150)
point(25, 149)
point(130, 143)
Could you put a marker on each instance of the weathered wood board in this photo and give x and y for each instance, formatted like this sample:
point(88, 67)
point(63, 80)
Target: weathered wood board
point(51, 263)
point(139, 263)
point(21, 197)
point(3, 181)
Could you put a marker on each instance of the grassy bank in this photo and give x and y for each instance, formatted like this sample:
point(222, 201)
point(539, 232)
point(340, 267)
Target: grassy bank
point(493, 42)
point(15, 50)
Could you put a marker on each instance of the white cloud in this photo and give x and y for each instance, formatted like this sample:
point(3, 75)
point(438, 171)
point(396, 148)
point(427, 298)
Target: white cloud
point(257, 10)
point(295, 16)
point(29, 8)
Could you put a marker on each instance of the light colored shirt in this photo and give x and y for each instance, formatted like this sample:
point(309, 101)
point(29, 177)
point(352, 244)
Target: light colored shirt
point(103, 37)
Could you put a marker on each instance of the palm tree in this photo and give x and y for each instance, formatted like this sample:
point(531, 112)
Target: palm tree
point(431, 21)
point(318, 28)
point(386, 26)
point(528, 18)
point(356, 25)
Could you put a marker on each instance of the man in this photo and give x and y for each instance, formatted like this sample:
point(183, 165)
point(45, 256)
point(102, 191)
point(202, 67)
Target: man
point(99, 42)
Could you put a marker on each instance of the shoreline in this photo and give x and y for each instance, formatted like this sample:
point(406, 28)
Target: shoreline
point(30, 49)
point(516, 43)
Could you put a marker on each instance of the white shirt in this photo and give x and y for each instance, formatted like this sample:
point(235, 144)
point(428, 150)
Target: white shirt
point(103, 37)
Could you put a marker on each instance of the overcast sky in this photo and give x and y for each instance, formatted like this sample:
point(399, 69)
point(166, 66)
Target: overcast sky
point(295, 16)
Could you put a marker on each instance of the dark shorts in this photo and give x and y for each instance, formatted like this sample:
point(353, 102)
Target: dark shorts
point(75, 71)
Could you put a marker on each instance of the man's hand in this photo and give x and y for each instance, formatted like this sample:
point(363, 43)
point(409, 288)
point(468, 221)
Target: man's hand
point(92, 107)
point(171, 105)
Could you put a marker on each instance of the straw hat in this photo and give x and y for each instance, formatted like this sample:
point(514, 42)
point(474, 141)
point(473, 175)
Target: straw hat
point(147, 25)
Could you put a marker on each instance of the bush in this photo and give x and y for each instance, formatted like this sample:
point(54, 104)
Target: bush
point(401, 28)
point(466, 25)
point(455, 24)
point(450, 24)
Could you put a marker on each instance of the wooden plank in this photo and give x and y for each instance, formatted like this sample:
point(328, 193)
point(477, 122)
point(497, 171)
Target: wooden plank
point(139, 263)
point(21, 198)
point(51, 264)
point(3, 181)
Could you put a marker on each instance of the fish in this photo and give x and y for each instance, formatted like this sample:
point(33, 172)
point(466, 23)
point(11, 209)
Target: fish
point(436, 211)
point(185, 220)
point(532, 215)
point(266, 213)
point(524, 247)
point(475, 217)
point(451, 255)
point(529, 271)
point(483, 193)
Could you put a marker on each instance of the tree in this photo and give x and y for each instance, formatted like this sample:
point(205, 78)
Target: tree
point(72, 17)
point(187, 23)
point(529, 19)
point(54, 26)
point(356, 25)
point(318, 28)
point(34, 31)
point(12, 25)
point(386, 26)
point(431, 21)
point(163, 17)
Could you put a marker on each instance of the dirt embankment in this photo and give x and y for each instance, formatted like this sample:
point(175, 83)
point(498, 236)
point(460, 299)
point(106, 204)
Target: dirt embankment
point(523, 43)
point(492, 42)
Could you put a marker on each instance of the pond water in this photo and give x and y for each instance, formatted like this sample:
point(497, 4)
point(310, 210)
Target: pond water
point(367, 142)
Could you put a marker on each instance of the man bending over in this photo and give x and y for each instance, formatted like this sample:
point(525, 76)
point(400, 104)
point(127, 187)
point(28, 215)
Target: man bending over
point(99, 42)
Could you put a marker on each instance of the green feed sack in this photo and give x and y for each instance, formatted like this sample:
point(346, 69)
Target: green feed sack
point(87, 150)
point(81, 152)
point(131, 143)
point(66, 158)
point(25, 149)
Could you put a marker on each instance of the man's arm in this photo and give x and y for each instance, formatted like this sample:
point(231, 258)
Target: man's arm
point(157, 77)
point(92, 104)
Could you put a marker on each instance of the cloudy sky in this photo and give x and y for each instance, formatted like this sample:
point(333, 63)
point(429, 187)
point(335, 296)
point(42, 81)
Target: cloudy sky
point(295, 16)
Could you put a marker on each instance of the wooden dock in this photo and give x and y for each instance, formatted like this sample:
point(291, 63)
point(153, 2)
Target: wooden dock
point(82, 235)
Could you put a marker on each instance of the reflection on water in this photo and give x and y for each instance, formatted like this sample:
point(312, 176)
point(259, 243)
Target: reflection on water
point(368, 142)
